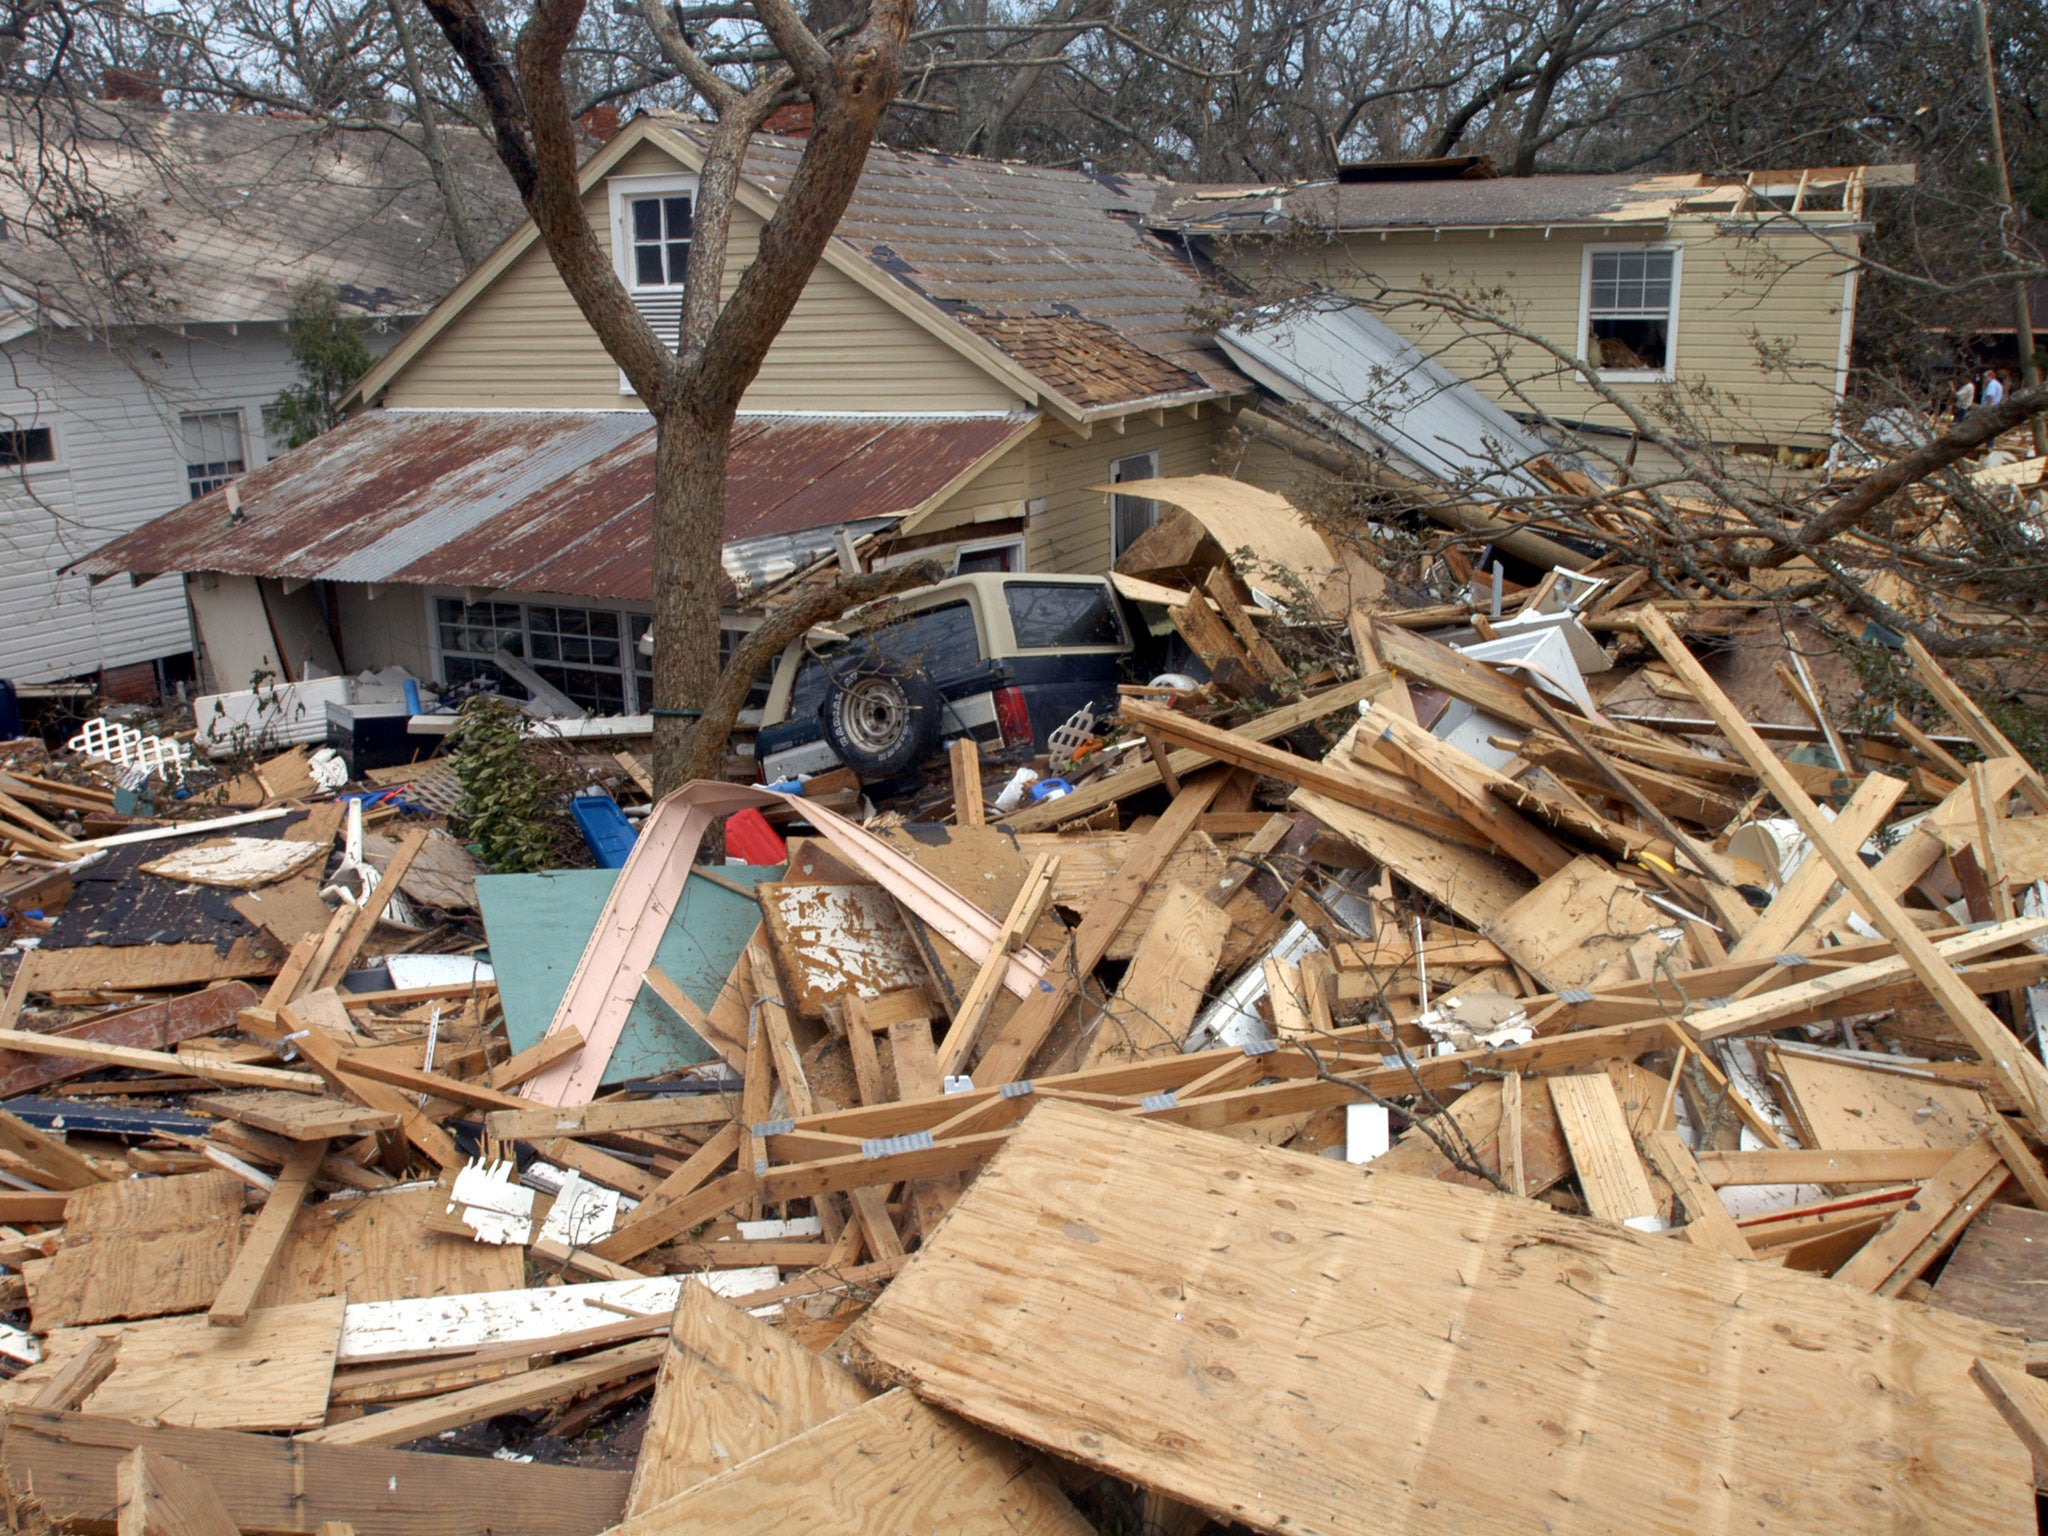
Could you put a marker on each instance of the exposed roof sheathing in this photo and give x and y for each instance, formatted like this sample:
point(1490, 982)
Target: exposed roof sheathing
point(539, 501)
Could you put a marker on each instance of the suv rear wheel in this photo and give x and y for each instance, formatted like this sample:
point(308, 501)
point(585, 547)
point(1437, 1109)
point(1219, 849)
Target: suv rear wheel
point(882, 719)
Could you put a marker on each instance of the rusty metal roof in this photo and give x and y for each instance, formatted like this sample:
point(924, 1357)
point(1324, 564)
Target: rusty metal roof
point(539, 501)
point(987, 240)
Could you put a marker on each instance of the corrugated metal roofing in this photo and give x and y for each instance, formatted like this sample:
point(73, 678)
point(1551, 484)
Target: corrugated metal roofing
point(995, 239)
point(232, 209)
point(1363, 380)
point(539, 501)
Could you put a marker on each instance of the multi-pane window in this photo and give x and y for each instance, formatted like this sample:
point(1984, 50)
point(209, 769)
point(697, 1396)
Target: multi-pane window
point(213, 449)
point(660, 228)
point(27, 445)
point(1131, 515)
point(579, 651)
point(1630, 309)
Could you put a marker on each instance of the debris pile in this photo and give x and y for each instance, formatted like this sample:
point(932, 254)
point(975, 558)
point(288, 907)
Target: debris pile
point(1410, 1085)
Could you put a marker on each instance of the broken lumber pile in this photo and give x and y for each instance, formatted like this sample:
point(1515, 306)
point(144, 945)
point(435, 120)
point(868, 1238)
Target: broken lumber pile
point(1426, 1087)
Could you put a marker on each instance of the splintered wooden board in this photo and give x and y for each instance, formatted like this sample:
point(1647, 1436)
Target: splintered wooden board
point(145, 967)
point(1477, 886)
point(1577, 927)
point(989, 865)
point(1841, 1106)
point(272, 1373)
point(831, 940)
point(892, 1464)
point(1279, 1341)
point(377, 1247)
point(1999, 1271)
point(730, 1387)
point(296, 1116)
point(141, 1248)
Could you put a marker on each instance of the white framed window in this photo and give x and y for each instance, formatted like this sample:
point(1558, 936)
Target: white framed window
point(1005, 555)
point(1628, 311)
point(214, 450)
point(1130, 516)
point(584, 652)
point(652, 221)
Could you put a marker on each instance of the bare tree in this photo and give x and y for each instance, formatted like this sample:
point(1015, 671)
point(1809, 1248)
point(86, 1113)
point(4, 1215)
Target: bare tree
point(849, 76)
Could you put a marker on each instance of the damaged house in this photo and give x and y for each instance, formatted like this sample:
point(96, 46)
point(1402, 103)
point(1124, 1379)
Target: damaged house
point(142, 365)
point(984, 350)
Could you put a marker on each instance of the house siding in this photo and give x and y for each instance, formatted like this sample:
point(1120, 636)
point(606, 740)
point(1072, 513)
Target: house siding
point(523, 343)
point(1072, 535)
point(120, 462)
point(387, 629)
point(1758, 345)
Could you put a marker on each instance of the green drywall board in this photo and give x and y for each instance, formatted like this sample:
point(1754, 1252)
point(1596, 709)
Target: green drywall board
point(537, 926)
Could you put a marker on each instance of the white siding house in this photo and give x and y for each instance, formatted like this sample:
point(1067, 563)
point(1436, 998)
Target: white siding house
point(115, 410)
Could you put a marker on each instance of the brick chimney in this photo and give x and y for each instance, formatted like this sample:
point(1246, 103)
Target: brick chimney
point(792, 121)
point(600, 123)
point(117, 84)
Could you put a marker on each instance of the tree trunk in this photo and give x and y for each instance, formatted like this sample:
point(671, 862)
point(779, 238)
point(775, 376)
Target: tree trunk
point(689, 520)
point(447, 179)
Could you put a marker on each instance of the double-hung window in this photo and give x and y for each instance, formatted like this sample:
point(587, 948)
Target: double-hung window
point(1631, 311)
point(23, 446)
point(652, 217)
point(1130, 516)
point(214, 454)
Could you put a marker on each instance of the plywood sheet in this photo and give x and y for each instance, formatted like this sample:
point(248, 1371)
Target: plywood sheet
point(1576, 929)
point(892, 1464)
point(1477, 886)
point(1998, 1270)
point(272, 1373)
point(831, 940)
point(1840, 1105)
point(141, 1248)
point(238, 862)
point(145, 967)
point(730, 1387)
point(377, 1247)
point(1278, 1340)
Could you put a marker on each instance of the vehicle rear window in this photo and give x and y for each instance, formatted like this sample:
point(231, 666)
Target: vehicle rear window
point(940, 641)
point(1046, 614)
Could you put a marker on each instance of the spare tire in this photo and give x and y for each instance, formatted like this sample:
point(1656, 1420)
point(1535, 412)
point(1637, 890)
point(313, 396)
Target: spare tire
point(882, 717)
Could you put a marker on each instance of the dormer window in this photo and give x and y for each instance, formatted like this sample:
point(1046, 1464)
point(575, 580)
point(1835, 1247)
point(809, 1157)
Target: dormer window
point(651, 225)
point(661, 240)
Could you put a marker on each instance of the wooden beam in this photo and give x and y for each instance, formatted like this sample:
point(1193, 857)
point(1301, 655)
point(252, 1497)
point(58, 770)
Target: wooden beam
point(1010, 1052)
point(1596, 1131)
point(155, 1496)
point(267, 1235)
point(1139, 777)
point(541, 1055)
point(1707, 1222)
point(964, 1034)
point(1862, 1165)
point(280, 1487)
point(166, 1062)
point(366, 917)
point(1915, 1236)
point(2019, 1072)
point(675, 1203)
point(472, 1405)
point(969, 808)
point(54, 1163)
point(1781, 923)
point(320, 1048)
point(774, 1022)
point(2022, 1401)
point(1977, 725)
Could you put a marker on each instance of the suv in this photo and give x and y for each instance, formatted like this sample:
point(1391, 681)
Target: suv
point(1004, 658)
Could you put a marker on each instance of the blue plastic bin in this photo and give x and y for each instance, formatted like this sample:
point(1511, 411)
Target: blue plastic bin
point(606, 832)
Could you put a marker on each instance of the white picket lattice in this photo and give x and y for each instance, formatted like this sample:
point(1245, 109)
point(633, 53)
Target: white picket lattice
point(114, 742)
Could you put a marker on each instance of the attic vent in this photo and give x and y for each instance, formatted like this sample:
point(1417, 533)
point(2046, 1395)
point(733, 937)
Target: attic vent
point(662, 309)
